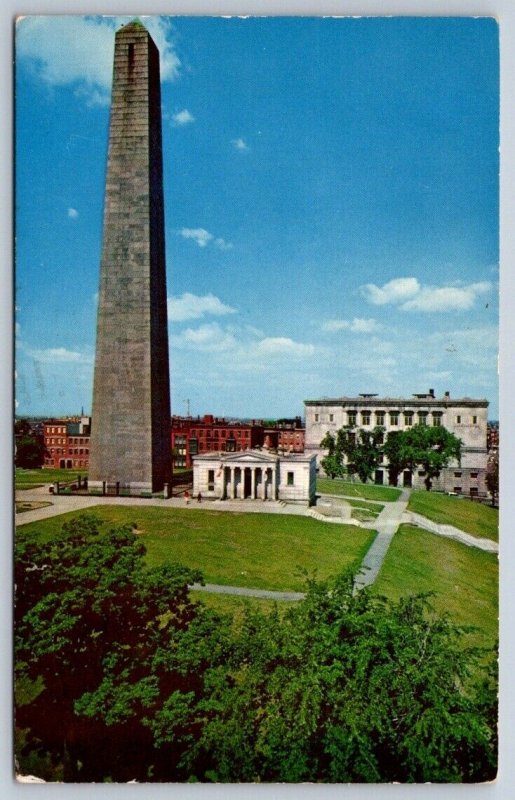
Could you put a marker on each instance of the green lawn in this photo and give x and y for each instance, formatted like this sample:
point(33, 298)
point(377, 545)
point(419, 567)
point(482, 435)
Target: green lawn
point(367, 491)
point(464, 579)
point(468, 516)
point(262, 551)
point(30, 478)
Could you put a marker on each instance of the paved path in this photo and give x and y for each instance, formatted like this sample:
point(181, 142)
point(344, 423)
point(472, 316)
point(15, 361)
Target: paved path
point(386, 524)
point(62, 504)
point(242, 591)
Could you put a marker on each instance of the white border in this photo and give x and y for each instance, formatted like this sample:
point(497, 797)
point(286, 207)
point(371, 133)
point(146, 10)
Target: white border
point(504, 10)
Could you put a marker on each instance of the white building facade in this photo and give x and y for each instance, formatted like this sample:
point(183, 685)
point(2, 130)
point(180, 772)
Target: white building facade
point(255, 475)
point(466, 418)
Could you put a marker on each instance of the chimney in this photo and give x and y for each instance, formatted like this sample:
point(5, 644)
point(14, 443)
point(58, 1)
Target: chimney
point(431, 393)
point(447, 396)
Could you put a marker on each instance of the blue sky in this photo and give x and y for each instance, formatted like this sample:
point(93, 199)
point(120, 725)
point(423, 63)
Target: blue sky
point(331, 202)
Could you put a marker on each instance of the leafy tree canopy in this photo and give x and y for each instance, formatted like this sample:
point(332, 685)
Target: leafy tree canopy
point(137, 681)
point(360, 451)
point(30, 452)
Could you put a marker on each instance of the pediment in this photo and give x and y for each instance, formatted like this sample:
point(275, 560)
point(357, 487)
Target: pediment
point(249, 457)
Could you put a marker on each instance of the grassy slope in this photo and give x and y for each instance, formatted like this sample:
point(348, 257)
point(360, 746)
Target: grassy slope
point(367, 491)
point(464, 579)
point(474, 518)
point(262, 551)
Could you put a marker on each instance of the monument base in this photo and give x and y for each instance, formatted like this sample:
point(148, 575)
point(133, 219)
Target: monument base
point(119, 488)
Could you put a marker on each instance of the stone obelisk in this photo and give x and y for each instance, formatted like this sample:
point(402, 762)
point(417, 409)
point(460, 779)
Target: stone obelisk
point(130, 446)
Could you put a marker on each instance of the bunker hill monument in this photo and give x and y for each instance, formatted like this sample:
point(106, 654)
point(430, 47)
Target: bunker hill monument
point(130, 437)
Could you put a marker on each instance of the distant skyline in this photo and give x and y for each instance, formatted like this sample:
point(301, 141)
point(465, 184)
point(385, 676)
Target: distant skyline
point(331, 204)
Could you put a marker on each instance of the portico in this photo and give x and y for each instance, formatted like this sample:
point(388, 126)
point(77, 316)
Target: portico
point(254, 475)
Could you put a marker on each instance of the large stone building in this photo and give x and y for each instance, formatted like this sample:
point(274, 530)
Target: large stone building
point(466, 418)
point(130, 435)
point(255, 475)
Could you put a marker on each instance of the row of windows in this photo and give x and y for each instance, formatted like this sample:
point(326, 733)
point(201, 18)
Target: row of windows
point(366, 417)
point(77, 451)
point(222, 433)
point(380, 417)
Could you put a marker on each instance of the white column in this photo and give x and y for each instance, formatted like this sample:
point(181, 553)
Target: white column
point(232, 493)
point(274, 483)
point(242, 483)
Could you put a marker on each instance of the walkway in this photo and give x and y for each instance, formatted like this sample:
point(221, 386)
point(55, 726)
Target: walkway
point(386, 524)
point(242, 591)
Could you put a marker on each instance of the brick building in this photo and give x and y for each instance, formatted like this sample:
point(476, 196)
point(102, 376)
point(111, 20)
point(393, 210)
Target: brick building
point(286, 435)
point(207, 434)
point(465, 417)
point(67, 443)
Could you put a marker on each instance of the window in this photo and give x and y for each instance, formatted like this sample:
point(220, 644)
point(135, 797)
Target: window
point(394, 418)
point(210, 480)
point(437, 420)
point(193, 447)
point(473, 474)
point(422, 473)
point(474, 420)
point(317, 417)
point(457, 474)
point(379, 417)
point(408, 418)
point(365, 417)
point(290, 478)
point(457, 490)
point(474, 491)
point(458, 419)
point(331, 417)
point(230, 445)
point(351, 417)
point(422, 417)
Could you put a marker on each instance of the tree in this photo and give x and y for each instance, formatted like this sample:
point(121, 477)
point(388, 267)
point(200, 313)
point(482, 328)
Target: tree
point(30, 452)
point(492, 477)
point(396, 456)
point(332, 463)
point(132, 679)
point(119, 649)
point(361, 450)
point(431, 448)
point(350, 688)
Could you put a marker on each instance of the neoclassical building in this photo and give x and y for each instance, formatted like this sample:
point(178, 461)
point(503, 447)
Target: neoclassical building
point(255, 475)
point(465, 417)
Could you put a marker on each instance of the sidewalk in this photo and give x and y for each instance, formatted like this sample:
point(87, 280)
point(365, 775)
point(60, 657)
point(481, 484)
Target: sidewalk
point(386, 524)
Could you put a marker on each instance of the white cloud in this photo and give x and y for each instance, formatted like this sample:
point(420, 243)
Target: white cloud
point(203, 238)
point(59, 355)
point(73, 213)
point(282, 345)
point(223, 245)
point(447, 298)
point(60, 50)
point(183, 117)
point(199, 235)
point(357, 325)
point(410, 295)
point(191, 306)
point(394, 291)
point(208, 338)
point(239, 144)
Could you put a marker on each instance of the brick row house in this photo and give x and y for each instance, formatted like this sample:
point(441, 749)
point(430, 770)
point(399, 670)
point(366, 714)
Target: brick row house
point(67, 443)
point(67, 440)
